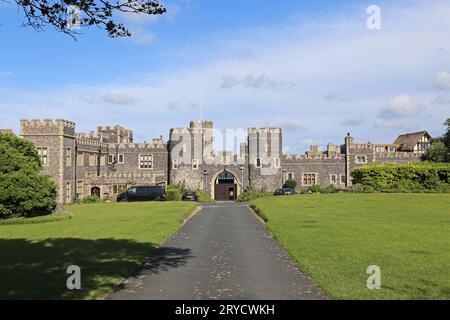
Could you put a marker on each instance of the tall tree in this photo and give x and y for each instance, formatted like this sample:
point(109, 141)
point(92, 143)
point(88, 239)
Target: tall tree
point(439, 151)
point(68, 16)
point(24, 191)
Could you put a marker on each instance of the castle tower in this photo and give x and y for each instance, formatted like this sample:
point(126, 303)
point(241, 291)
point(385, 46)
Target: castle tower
point(265, 147)
point(55, 142)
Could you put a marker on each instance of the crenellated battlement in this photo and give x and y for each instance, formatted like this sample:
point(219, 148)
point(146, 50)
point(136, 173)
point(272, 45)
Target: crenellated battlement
point(90, 143)
point(398, 155)
point(87, 135)
point(293, 157)
point(134, 146)
point(264, 130)
point(47, 123)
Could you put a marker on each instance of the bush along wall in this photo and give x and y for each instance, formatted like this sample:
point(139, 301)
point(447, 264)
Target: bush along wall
point(24, 191)
point(418, 177)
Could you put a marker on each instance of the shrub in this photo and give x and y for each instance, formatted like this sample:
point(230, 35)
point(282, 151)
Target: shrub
point(291, 184)
point(252, 194)
point(329, 189)
point(24, 192)
point(418, 177)
point(203, 197)
point(91, 199)
point(173, 193)
point(314, 189)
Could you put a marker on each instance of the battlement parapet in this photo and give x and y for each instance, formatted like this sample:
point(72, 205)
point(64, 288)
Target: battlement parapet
point(264, 130)
point(87, 135)
point(134, 146)
point(90, 143)
point(37, 123)
point(47, 126)
point(314, 157)
point(398, 155)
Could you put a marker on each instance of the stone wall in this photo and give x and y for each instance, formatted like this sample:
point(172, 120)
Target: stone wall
point(108, 160)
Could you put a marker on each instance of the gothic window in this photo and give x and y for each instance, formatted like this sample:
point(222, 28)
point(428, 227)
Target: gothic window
point(68, 157)
point(43, 154)
point(146, 162)
point(309, 179)
point(121, 159)
point(195, 164)
point(80, 158)
point(258, 163)
point(277, 162)
point(92, 159)
point(361, 159)
point(174, 164)
point(342, 177)
point(333, 179)
point(68, 192)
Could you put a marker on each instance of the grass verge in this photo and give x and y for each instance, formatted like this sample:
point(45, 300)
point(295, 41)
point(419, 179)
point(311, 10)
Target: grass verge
point(108, 241)
point(335, 238)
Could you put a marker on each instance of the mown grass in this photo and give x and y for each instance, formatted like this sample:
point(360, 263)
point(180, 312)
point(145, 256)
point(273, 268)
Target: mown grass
point(108, 241)
point(334, 238)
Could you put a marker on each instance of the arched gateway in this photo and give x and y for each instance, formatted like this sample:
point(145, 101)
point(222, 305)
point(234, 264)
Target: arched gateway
point(225, 187)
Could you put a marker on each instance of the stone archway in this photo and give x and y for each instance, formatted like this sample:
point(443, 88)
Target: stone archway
point(225, 186)
point(95, 191)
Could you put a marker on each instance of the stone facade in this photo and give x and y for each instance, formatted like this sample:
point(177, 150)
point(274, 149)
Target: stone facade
point(107, 161)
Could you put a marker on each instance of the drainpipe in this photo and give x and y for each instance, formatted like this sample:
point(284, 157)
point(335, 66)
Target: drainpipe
point(98, 160)
point(75, 170)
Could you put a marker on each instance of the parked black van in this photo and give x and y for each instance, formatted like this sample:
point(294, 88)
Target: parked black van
point(143, 193)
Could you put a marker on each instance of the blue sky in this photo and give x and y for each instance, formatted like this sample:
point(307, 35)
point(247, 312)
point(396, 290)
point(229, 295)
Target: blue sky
point(311, 67)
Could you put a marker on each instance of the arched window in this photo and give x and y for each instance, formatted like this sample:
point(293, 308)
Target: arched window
point(225, 178)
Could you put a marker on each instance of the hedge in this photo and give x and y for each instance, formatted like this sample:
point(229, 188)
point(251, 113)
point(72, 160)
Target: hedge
point(173, 194)
point(417, 177)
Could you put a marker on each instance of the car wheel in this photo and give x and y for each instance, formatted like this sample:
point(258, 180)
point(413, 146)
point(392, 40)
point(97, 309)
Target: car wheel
point(124, 200)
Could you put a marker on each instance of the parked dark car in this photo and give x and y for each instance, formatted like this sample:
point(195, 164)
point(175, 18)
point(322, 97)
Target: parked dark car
point(284, 192)
point(143, 193)
point(189, 196)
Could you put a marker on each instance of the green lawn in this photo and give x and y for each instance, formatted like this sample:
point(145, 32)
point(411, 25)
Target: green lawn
point(108, 241)
point(334, 238)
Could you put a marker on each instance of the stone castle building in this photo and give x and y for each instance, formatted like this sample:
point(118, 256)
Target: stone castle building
point(106, 162)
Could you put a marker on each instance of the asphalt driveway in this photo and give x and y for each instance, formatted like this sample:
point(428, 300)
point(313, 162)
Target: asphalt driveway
point(223, 252)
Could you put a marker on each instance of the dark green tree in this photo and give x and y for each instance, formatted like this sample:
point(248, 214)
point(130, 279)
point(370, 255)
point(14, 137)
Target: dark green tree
point(439, 150)
point(68, 16)
point(291, 184)
point(24, 191)
point(446, 137)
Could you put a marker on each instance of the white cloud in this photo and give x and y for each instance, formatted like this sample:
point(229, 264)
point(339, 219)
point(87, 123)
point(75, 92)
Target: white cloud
point(352, 122)
point(119, 99)
point(173, 106)
point(338, 96)
point(443, 80)
point(396, 124)
point(252, 81)
point(304, 58)
point(400, 107)
point(441, 99)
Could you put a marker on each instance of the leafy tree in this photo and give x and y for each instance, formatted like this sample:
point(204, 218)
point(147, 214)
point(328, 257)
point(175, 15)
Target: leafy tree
point(291, 184)
point(24, 192)
point(439, 150)
point(17, 154)
point(65, 14)
point(446, 137)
